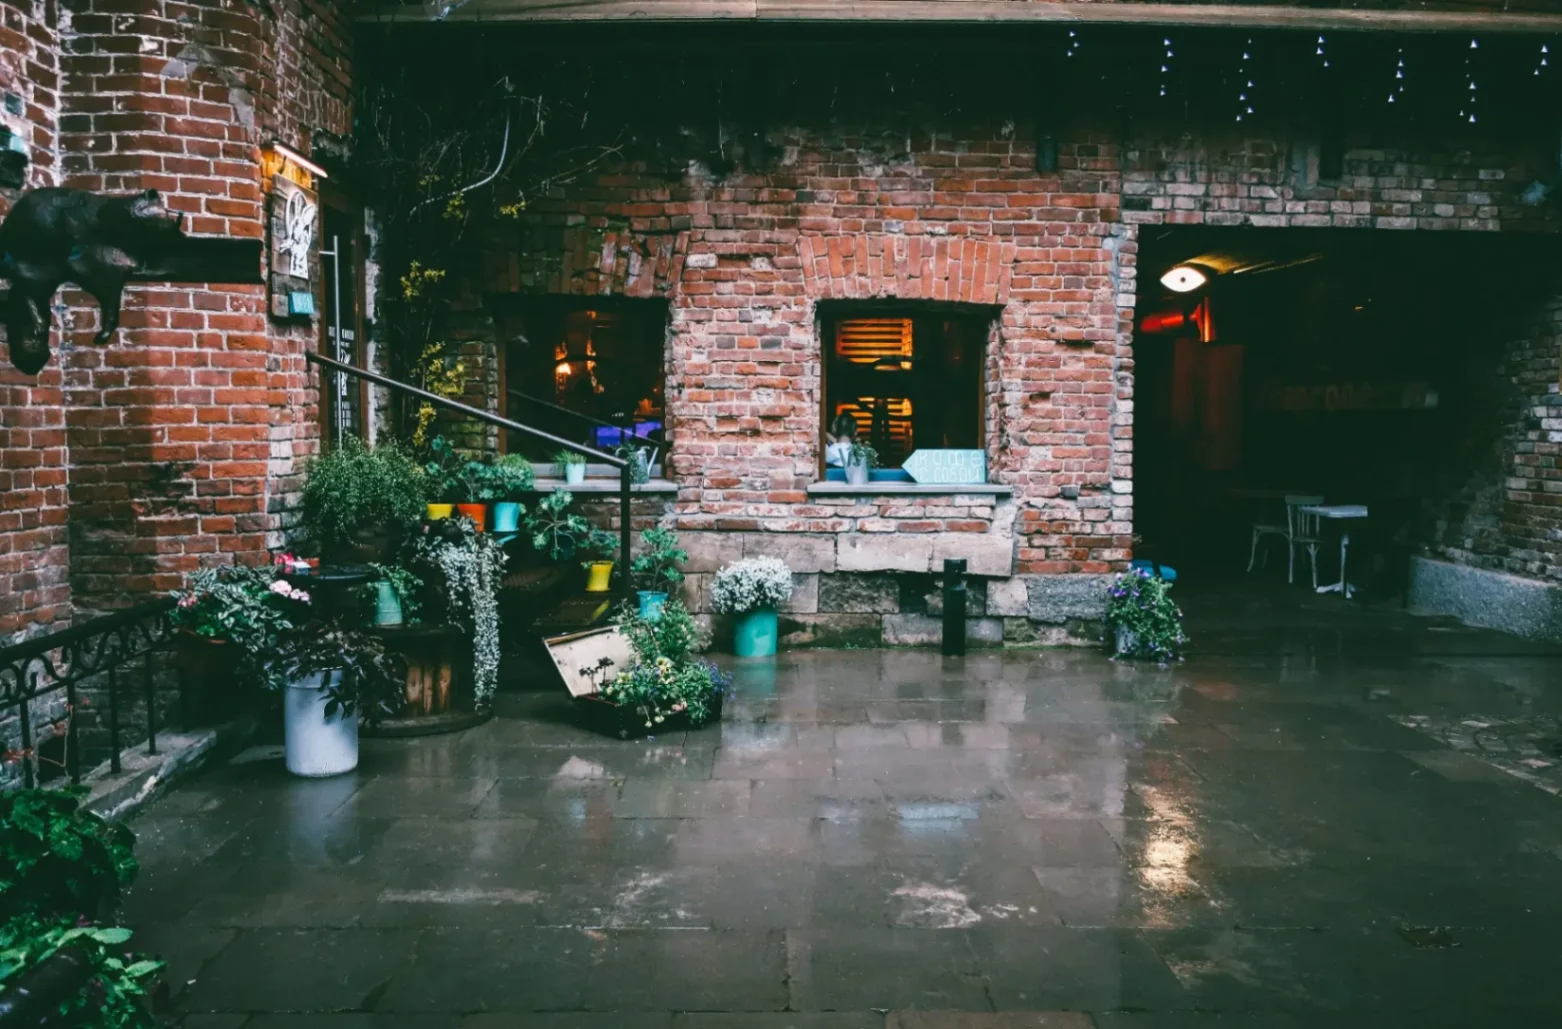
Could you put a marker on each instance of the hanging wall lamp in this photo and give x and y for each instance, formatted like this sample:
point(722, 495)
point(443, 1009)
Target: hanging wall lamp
point(1184, 278)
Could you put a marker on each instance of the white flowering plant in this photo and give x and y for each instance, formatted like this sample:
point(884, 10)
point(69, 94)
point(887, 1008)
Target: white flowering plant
point(753, 584)
point(470, 565)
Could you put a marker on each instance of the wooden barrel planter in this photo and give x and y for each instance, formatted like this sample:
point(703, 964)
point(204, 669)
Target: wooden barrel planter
point(438, 696)
point(210, 692)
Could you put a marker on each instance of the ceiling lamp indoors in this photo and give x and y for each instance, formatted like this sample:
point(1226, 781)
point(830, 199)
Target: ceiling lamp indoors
point(1184, 278)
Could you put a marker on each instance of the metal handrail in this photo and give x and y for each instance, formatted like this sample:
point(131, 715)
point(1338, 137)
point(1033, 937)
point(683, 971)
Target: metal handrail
point(625, 480)
point(564, 410)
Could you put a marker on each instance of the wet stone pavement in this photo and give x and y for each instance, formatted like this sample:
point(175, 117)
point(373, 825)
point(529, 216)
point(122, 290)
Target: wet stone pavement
point(1286, 836)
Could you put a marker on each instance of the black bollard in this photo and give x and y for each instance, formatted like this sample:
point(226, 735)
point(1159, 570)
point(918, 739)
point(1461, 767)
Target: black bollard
point(954, 607)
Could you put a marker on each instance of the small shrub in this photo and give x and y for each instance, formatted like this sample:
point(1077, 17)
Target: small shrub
point(353, 489)
point(1140, 604)
point(58, 858)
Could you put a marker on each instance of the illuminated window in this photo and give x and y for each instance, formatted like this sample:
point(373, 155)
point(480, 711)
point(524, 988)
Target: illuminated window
point(601, 363)
point(909, 381)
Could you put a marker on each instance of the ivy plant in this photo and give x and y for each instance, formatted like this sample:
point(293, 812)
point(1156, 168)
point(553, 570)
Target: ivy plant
point(57, 857)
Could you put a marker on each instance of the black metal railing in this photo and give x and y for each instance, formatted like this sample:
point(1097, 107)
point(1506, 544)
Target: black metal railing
point(624, 426)
point(96, 658)
point(625, 473)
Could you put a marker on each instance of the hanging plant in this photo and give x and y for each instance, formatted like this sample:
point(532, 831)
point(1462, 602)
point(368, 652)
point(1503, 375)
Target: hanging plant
point(471, 566)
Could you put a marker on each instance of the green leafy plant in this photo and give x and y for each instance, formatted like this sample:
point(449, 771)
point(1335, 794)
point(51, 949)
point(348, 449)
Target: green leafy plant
point(57, 857)
point(371, 680)
point(567, 457)
point(1142, 620)
point(507, 479)
point(352, 492)
point(665, 679)
point(445, 476)
point(249, 607)
point(656, 567)
point(115, 995)
point(863, 452)
point(554, 530)
point(599, 545)
point(470, 565)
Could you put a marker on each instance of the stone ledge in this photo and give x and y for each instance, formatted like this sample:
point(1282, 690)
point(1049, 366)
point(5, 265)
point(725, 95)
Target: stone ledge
point(908, 489)
point(598, 487)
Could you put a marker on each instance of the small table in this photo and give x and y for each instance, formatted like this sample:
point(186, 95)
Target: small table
point(1338, 512)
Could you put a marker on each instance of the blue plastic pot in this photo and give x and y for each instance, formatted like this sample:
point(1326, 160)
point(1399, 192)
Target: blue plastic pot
point(651, 602)
point(755, 634)
point(507, 517)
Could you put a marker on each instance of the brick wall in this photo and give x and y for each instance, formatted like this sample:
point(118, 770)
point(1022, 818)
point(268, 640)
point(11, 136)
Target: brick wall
point(961, 215)
point(181, 440)
point(34, 556)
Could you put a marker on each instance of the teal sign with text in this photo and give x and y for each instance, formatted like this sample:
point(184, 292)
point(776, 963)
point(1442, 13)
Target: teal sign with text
point(947, 466)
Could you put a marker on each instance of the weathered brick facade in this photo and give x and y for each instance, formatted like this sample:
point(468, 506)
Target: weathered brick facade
point(177, 444)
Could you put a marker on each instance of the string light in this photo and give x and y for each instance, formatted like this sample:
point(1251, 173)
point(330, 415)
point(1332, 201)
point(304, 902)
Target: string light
point(1244, 94)
point(1321, 53)
point(1545, 55)
point(1166, 62)
point(1467, 113)
point(1073, 42)
point(1398, 89)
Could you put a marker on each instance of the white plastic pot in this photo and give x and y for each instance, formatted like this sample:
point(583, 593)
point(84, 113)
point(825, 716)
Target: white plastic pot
point(317, 745)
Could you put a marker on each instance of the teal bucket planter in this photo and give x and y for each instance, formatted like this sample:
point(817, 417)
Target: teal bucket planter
point(754, 634)
point(507, 517)
point(651, 604)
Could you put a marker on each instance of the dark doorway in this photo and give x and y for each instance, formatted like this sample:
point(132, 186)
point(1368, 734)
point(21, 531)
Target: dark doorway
point(1363, 367)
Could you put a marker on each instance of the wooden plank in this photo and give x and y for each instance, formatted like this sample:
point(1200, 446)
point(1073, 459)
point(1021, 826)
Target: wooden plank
point(1008, 11)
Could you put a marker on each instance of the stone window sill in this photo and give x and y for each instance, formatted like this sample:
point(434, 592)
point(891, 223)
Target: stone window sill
point(907, 489)
point(600, 486)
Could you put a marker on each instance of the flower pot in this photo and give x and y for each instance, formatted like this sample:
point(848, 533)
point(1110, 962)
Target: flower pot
point(507, 517)
point(626, 723)
point(208, 678)
point(574, 474)
point(857, 474)
point(651, 602)
point(599, 576)
point(1126, 643)
point(477, 512)
point(317, 745)
point(754, 634)
point(387, 604)
point(437, 511)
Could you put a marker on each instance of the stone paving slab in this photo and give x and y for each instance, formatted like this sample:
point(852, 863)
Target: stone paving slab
point(888, 839)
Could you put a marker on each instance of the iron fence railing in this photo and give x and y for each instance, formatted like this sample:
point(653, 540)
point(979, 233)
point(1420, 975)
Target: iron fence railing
point(96, 658)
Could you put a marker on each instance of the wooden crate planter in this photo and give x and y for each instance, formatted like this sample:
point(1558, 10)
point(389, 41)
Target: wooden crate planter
point(625, 723)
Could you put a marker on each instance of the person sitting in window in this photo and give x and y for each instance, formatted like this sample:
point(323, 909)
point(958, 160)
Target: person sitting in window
point(839, 440)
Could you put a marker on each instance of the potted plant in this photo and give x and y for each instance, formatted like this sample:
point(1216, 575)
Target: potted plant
point(656, 570)
point(554, 531)
point(359, 501)
point(1142, 620)
point(471, 494)
point(228, 622)
point(394, 593)
point(752, 589)
point(665, 686)
point(860, 460)
point(445, 481)
point(572, 466)
point(334, 676)
point(467, 566)
point(502, 484)
point(599, 546)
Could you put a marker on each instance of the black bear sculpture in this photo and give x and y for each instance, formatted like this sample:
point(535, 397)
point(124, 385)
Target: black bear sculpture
point(100, 242)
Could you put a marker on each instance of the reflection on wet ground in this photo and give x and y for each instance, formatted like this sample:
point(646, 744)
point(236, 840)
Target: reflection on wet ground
point(1275, 833)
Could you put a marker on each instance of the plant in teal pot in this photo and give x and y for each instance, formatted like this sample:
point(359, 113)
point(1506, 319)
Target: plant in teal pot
point(752, 589)
point(656, 570)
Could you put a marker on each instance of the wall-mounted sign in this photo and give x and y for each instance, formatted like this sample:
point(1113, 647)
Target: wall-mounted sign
point(947, 466)
point(294, 230)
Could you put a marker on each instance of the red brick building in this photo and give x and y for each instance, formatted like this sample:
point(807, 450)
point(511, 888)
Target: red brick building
point(765, 198)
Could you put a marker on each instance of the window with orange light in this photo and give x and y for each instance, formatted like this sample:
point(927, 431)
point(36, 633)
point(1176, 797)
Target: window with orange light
point(908, 379)
point(601, 363)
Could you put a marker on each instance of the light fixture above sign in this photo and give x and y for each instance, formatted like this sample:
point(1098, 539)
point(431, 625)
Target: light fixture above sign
point(1184, 278)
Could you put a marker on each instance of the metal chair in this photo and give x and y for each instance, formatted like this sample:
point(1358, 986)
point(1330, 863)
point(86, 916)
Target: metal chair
point(1302, 529)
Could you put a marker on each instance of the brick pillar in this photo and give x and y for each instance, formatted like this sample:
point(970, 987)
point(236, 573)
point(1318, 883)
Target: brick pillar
point(170, 426)
point(34, 551)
